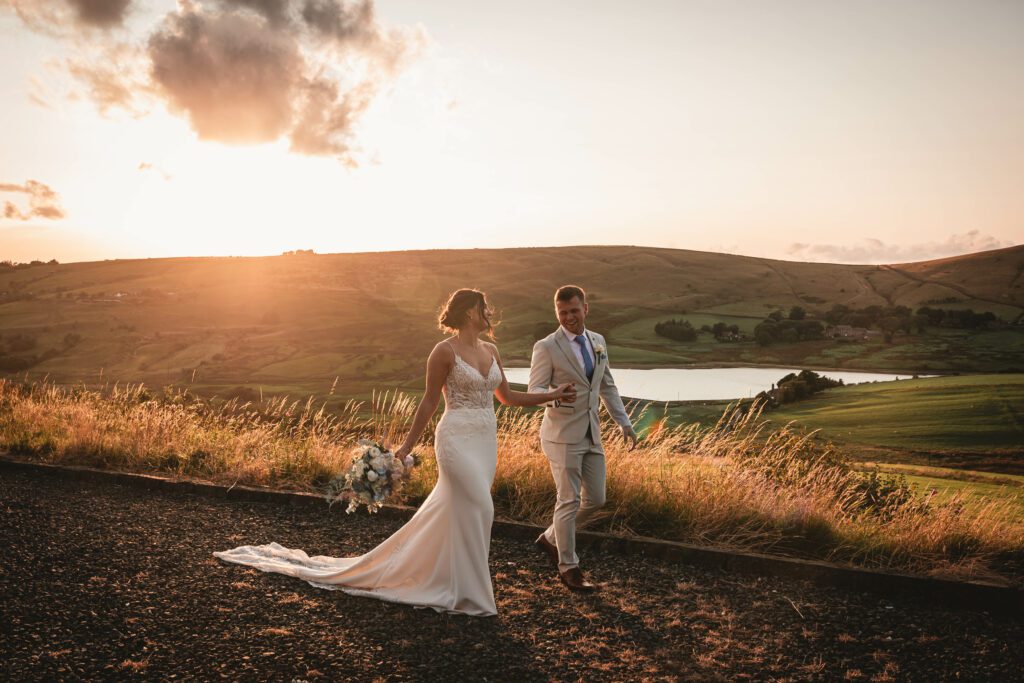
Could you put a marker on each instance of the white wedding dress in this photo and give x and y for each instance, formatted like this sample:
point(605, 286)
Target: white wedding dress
point(439, 558)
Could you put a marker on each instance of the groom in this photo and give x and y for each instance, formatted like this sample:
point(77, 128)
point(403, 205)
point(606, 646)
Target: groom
point(571, 432)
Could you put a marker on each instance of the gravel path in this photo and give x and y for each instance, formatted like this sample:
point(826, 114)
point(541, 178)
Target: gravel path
point(102, 581)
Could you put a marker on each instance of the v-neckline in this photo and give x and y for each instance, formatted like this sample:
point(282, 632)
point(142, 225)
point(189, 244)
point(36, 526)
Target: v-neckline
point(477, 370)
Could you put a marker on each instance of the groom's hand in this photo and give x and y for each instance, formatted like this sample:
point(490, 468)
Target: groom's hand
point(628, 436)
point(564, 393)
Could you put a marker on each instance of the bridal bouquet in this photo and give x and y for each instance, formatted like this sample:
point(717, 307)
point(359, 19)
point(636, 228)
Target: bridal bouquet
point(374, 476)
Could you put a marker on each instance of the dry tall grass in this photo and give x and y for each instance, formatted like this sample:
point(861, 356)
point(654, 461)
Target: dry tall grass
point(733, 485)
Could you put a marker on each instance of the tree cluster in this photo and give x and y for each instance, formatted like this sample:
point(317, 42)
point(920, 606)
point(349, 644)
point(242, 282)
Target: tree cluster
point(892, 319)
point(679, 330)
point(11, 265)
point(722, 331)
point(684, 331)
point(795, 313)
point(797, 386)
point(772, 331)
point(963, 319)
point(868, 317)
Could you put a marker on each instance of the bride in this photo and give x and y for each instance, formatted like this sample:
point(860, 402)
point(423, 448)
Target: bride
point(439, 558)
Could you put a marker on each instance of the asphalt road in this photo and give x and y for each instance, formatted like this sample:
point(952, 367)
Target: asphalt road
point(104, 581)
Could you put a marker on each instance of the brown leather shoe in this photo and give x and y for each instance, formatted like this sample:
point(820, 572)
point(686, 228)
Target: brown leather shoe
point(549, 549)
point(575, 581)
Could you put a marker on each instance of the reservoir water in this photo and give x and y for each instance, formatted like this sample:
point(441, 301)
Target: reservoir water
point(708, 384)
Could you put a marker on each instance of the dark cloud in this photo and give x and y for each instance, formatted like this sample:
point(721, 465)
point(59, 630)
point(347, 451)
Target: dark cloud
point(42, 201)
point(62, 17)
point(231, 74)
point(100, 13)
point(240, 71)
point(252, 72)
point(277, 12)
point(104, 65)
point(344, 23)
point(325, 119)
point(353, 27)
point(872, 250)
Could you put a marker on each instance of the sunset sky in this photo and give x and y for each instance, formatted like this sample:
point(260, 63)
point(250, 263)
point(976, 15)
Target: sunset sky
point(868, 131)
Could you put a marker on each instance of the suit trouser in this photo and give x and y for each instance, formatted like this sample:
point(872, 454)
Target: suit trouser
point(579, 473)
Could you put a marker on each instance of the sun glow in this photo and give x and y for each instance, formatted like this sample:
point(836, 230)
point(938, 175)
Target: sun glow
point(696, 128)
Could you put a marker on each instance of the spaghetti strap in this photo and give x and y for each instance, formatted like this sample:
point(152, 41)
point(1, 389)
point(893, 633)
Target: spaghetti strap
point(458, 356)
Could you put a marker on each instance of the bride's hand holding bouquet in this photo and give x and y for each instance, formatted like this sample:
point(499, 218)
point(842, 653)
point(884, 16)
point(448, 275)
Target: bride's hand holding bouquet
point(374, 476)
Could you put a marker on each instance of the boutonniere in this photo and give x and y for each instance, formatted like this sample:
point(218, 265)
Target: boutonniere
point(598, 350)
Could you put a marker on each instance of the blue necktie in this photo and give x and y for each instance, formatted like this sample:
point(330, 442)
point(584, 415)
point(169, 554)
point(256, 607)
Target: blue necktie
point(588, 364)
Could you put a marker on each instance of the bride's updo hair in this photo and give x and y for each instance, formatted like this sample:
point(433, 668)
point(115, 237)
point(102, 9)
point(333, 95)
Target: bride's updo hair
point(456, 309)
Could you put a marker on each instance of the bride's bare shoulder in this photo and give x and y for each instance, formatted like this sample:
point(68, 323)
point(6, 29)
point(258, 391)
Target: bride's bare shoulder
point(443, 349)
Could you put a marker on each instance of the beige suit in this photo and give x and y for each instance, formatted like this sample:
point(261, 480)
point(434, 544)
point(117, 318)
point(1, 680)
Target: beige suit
point(571, 434)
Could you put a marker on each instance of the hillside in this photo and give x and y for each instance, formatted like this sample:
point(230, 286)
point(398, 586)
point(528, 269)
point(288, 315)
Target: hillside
point(970, 422)
point(295, 323)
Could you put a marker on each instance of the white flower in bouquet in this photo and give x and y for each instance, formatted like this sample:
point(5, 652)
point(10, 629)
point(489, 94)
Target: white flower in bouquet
point(374, 476)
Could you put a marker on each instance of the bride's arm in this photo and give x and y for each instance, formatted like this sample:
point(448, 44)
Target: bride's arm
point(439, 364)
point(510, 397)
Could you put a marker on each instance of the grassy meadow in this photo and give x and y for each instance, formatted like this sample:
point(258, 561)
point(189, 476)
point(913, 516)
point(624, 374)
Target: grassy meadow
point(946, 435)
point(974, 421)
point(734, 485)
point(965, 421)
point(970, 488)
point(264, 370)
point(296, 324)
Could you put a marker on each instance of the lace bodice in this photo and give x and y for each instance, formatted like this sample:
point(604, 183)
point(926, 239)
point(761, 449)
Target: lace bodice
point(467, 388)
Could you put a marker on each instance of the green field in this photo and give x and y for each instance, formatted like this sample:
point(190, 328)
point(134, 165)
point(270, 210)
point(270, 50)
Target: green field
point(969, 488)
point(966, 422)
point(972, 413)
point(970, 493)
point(956, 434)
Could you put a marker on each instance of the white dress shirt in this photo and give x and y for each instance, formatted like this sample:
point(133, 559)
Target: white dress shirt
point(578, 351)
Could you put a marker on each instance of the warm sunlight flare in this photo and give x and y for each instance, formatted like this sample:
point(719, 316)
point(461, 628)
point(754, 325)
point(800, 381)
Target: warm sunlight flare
point(805, 131)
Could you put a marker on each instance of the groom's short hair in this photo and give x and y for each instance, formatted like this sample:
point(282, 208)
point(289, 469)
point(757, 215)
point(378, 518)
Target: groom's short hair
point(567, 292)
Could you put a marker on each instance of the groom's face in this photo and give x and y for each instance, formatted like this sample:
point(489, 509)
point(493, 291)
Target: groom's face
point(571, 314)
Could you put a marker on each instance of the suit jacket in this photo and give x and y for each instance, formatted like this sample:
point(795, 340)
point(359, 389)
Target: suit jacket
point(554, 362)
